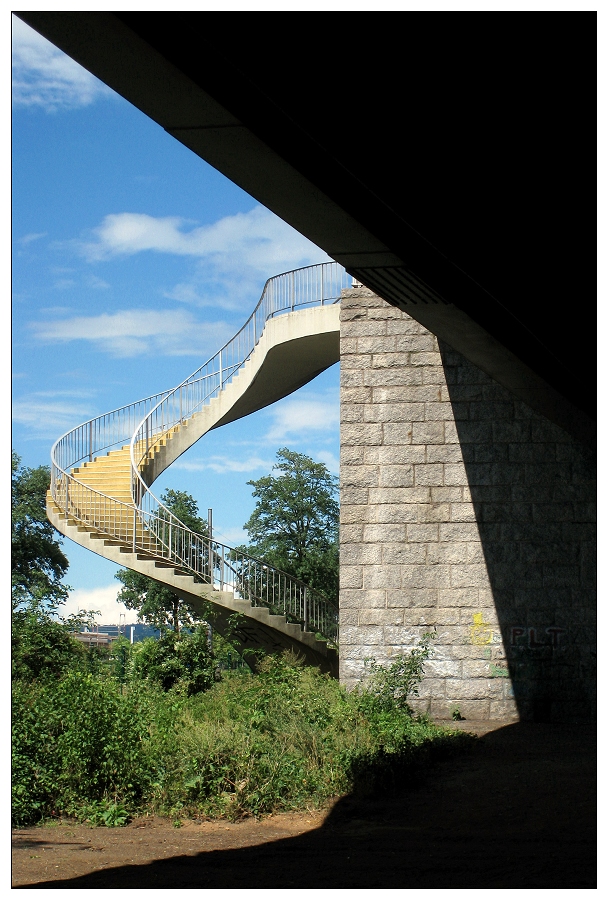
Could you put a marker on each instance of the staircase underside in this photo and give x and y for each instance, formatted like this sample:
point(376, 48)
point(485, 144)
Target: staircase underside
point(292, 350)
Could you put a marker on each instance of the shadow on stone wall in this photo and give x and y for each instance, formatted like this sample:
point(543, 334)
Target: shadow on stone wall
point(533, 489)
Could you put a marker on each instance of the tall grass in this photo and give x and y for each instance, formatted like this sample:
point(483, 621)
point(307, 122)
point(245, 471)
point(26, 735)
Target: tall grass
point(285, 738)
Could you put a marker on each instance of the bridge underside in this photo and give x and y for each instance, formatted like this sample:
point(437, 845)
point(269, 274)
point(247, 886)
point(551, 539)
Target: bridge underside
point(428, 158)
point(451, 169)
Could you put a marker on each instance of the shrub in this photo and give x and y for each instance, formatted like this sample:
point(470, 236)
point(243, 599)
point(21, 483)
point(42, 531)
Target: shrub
point(285, 738)
point(183, 659)
point(388, 687)
point(290, 737)
point(42, 647)
point(258, 743)
point(78, 741)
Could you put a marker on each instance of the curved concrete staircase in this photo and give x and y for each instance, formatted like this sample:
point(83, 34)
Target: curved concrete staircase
point(103, 470)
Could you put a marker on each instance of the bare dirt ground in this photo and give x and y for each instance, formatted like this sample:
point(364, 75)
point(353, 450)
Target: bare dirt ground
point(518, 811)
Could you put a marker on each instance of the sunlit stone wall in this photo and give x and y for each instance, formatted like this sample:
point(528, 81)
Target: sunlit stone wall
point(465, 513)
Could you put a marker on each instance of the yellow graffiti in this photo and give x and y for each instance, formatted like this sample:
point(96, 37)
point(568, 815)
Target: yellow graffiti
point(481, 633)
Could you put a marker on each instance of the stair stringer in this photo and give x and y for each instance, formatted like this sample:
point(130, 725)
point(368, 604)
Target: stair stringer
point(250, 627)
point(293, 349)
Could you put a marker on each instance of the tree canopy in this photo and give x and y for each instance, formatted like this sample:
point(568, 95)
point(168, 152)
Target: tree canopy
point(294, 525)
point(41, 645)
point(37, 562)
point(155, 603)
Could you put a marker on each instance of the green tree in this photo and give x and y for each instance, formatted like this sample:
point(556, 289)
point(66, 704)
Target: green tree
point(186, 659)
point(41, 642)
point(156, 604)
point(42, 647)
point(294, 525)
point(37, 562)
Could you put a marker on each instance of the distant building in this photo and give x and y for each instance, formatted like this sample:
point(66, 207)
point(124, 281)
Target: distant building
point(95, 638)
point(105, 635)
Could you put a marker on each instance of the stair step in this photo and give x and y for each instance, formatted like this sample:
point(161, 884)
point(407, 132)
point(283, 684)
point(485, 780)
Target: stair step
point(110, 474)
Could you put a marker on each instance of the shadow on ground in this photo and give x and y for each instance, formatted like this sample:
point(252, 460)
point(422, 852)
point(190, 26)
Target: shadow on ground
point(517, 811)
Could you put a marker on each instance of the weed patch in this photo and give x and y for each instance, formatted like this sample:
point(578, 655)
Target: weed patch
point(285, 738)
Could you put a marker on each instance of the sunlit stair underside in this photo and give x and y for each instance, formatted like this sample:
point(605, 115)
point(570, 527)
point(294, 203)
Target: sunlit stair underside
point(102, 472)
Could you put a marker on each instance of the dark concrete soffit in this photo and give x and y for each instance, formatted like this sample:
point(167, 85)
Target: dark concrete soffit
point(322, 200)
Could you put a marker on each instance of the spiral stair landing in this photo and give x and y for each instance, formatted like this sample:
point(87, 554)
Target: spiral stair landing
point(104, 503)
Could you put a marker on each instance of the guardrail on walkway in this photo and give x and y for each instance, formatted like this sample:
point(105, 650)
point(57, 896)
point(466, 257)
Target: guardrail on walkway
point(148, 526)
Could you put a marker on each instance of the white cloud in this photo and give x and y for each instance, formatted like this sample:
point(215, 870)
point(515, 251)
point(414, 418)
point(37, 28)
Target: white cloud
point(45, 77)
point(302, 416)
point(47, 415)
point(233, 256)
point(221, 464)
point(257, 238)
point(29, 238)
point(97, 283)
point(55, 310)
point(134, 332)
point(102, 599)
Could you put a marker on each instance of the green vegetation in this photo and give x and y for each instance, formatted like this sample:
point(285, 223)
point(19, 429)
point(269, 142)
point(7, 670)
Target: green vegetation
point(42, 647)
point(37, 561)
point(161, 726)
point(294, 526)
point(176, 659)
point(40, 639)
point(285, 738)
point(155, 603)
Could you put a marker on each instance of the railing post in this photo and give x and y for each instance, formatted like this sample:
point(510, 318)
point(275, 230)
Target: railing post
point(147, 435)
point(180, 405)
point(221, 378)
point(134, 528)
point(305, 609)
point(91, 441)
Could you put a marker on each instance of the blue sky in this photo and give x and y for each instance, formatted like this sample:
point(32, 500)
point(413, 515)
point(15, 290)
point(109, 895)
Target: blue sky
point(133, 262)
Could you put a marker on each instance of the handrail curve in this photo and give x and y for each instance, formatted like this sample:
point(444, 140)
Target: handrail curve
point(146, 525)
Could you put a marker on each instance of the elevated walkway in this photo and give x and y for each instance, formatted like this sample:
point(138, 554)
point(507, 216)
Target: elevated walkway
point(103, 470)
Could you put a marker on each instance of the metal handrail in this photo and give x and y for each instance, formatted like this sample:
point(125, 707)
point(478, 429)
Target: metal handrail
point(309, 286)
point(149, 526)
point(210, 561)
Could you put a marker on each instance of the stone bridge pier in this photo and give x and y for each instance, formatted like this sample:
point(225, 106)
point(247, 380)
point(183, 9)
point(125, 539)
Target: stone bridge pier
point(466, 513)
